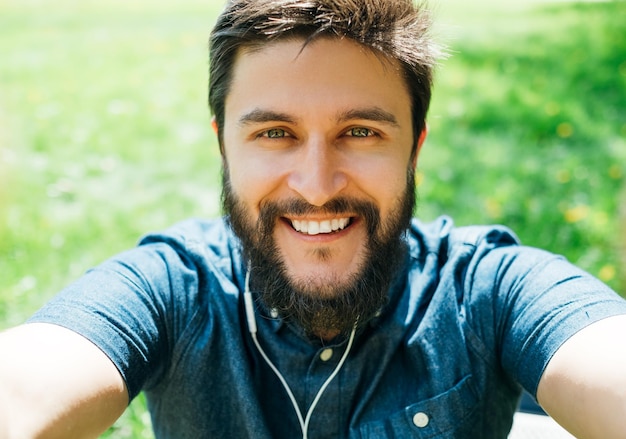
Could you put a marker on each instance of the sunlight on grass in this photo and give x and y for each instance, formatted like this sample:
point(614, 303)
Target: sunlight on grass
point(533, 106)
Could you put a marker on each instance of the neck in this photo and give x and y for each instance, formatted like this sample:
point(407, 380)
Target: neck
point(327, 335)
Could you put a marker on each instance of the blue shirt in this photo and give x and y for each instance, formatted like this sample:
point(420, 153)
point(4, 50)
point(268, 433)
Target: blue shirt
point(473, 317)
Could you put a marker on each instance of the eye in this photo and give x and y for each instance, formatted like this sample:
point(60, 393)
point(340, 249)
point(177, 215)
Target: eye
point(360, 132)
point(274, 133)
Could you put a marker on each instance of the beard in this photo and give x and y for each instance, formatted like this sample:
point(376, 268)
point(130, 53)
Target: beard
point(322, 306)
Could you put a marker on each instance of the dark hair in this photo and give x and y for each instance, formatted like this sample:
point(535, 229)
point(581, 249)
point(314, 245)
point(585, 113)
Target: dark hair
point(398, 30)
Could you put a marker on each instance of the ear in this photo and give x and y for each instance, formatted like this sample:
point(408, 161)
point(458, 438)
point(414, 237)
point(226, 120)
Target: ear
point(420, 142)
point(216, 131)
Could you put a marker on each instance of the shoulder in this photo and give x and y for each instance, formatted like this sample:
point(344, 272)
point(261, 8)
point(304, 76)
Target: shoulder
point(442, 237)
point(197, 235)
point(204, 244)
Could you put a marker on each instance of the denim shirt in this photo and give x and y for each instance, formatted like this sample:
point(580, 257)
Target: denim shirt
point(473, 318)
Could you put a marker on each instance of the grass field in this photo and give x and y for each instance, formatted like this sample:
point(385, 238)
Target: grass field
point(104, 134)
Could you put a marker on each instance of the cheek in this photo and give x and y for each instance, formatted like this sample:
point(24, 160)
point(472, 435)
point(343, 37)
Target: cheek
point(251, 180)
point(383, 180)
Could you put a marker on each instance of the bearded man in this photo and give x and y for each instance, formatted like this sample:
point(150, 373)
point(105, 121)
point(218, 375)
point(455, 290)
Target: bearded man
point(317, 307)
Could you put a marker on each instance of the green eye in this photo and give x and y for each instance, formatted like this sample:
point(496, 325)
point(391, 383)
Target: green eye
point(360, 132)
point(275, 133)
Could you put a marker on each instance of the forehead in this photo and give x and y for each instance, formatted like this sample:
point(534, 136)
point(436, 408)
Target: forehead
point(325, 70)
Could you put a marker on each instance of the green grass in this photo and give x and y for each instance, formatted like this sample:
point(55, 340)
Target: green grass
point(529, 130)
point(104, 134)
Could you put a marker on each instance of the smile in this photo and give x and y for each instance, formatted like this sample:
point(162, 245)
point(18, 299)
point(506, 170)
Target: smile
point(316, 227)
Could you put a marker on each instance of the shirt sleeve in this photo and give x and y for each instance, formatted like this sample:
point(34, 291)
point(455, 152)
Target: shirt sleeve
point(126, 307)
point(528, 302)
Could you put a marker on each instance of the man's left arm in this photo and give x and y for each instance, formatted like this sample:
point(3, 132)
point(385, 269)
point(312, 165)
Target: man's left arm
point(584, 384)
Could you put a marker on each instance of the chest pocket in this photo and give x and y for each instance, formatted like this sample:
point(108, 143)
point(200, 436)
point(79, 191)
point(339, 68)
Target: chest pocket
point(449, 415)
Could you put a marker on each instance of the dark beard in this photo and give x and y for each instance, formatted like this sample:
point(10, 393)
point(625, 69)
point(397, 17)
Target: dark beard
point(331, 308)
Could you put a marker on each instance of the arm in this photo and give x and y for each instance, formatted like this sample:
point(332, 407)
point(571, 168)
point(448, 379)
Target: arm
point(584, 385)
point(55, 383)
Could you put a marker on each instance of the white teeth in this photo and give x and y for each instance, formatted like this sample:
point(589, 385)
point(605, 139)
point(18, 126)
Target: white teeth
point(325, 227)
point(317, 227)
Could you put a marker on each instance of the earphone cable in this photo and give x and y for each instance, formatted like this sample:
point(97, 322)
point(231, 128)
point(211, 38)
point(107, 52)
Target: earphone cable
point(252, 327)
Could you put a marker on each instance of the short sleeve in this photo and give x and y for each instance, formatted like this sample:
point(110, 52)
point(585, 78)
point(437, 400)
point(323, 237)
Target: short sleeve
point(528, 302)
point(130, 307)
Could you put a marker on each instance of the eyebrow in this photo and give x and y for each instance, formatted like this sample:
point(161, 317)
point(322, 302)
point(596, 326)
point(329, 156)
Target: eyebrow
point(260, 116)
point(376, 114)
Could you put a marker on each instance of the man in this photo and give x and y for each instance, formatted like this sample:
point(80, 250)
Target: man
point(318, 308)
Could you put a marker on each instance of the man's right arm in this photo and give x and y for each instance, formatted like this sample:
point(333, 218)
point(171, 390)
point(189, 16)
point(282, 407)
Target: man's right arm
point(54, 383)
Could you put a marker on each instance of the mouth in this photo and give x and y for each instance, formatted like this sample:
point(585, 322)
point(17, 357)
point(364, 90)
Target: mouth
point(311, 227)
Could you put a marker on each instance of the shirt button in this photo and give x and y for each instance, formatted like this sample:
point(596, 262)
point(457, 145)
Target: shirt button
point(326, 354)
point(421, 419)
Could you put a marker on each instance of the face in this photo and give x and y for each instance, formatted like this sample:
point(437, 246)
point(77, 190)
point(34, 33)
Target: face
point(317, 149)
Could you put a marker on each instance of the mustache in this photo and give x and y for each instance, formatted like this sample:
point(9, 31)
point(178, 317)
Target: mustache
point(270, 211)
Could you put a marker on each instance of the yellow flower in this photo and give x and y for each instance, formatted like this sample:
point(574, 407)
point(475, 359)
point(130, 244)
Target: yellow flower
point(576, 214)
point(607, 273)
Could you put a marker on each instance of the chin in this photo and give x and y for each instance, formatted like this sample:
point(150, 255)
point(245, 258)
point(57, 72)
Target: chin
point(324, 284)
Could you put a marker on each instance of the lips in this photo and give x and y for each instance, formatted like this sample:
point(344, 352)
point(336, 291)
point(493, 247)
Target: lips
point(310, 227)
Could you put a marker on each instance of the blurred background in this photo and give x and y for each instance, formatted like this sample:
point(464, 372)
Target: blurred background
point(105, 133)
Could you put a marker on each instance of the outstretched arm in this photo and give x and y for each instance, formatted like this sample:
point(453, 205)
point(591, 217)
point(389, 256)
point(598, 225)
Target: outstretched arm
point(584, 385)
point(56, 384)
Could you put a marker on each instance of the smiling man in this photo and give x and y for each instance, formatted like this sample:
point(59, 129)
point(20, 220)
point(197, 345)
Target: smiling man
point(319, 188)
point(317, 307)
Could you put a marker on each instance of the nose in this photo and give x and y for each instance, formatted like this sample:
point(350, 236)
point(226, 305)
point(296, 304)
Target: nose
point(318, 175)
